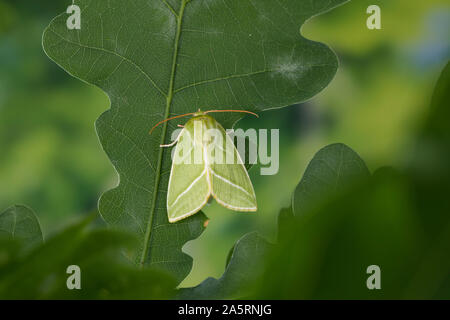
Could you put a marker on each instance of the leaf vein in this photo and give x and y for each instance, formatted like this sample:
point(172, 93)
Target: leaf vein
point(118, 55)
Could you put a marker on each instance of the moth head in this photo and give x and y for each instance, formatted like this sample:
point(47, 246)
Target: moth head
point(200, 113)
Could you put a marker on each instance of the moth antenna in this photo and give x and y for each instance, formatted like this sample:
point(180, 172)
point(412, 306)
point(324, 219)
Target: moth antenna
point(241, 111)
point(168, 119)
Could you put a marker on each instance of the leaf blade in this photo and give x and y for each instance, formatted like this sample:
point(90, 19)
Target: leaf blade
point(239, 60)
point(20, 222)
point(332, 168)
point(243, 269)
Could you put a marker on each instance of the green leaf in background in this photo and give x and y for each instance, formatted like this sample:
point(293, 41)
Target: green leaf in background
point(395, 219)
point(105, 274)
point(285, 217)
point(324, 254)
point(160, 58)
point(437, 124)
point(329, 172)
point(242, 271)
point(432, 153)
point(20, 222)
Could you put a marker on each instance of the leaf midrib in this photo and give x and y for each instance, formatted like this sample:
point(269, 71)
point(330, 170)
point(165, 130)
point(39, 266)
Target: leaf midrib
point(148, 233)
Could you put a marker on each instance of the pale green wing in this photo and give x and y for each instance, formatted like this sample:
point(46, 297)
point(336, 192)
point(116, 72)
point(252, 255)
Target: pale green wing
point(189, 187)
point(231, 185)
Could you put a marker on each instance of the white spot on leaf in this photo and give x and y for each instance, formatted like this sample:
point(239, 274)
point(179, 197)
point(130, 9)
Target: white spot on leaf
point(288, 68)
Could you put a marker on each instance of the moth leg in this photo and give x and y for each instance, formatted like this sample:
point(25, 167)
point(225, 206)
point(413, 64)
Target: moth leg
point(170, 144)
point(180, 126)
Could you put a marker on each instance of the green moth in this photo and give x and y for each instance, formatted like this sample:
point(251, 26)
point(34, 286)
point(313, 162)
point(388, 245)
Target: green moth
point(205, 164)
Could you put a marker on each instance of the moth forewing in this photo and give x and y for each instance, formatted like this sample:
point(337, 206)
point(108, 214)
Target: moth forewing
point(231, 185)
point(198, 136)
point(230, 155)
point(189, 188)
point(215, 146)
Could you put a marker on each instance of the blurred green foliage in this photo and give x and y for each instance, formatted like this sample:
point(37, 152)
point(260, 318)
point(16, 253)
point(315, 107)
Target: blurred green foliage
point(386, 77)
point(104, 272)
point(376, 103)
point(396, 219)
point(50, 157)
